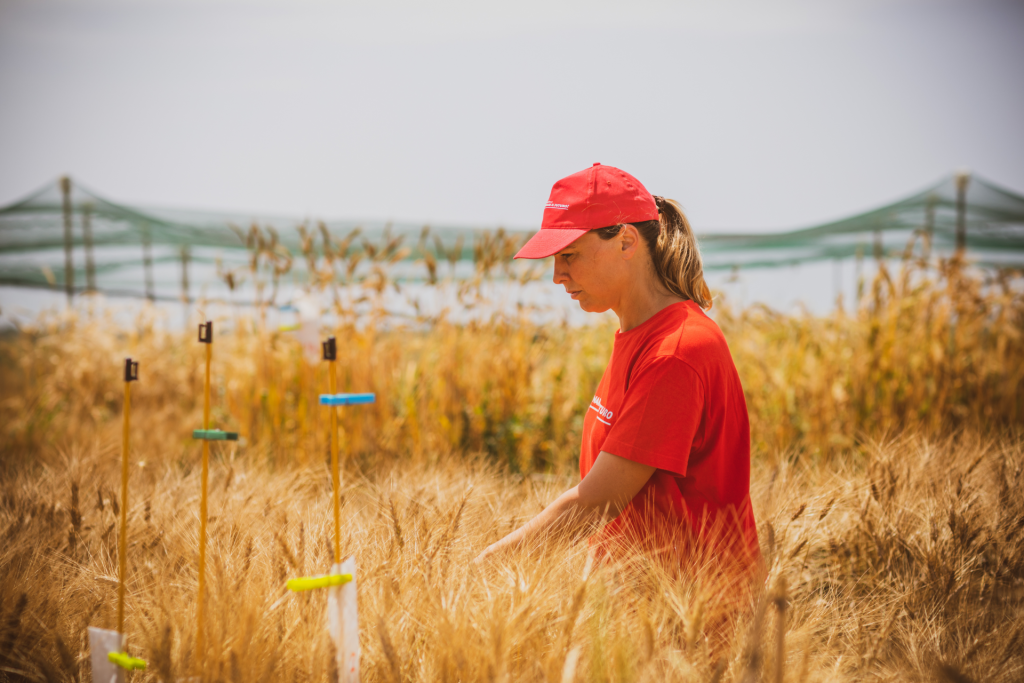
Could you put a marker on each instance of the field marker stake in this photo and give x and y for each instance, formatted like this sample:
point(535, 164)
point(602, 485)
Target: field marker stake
point(332, 401)
point(330, 348)
point(108, 658)
point(342, 605)
point(205, 337)
point(131, 374)
point(206, 435)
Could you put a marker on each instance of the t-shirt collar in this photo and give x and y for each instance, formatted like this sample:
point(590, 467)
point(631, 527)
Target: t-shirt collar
point(650, 321)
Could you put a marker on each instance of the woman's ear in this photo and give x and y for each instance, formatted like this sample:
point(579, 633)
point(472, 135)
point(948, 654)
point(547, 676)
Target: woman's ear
point(629, 241)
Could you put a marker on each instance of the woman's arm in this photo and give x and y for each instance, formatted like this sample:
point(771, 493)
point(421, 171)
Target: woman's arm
point(609, 486)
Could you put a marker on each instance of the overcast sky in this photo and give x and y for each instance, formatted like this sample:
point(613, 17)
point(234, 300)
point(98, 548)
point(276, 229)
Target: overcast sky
point(755, 115)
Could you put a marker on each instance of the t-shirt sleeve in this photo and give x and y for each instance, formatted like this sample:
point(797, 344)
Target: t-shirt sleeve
point(659, 417)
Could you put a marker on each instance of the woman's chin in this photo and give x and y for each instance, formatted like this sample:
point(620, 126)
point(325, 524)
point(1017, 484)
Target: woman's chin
point(591, 307)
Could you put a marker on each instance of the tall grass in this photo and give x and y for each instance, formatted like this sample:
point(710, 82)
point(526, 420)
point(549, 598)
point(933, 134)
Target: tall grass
point(932, 349)
point(901, 566)
point(887, 471)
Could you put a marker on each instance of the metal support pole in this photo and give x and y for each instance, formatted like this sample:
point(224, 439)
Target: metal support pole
point(929, 225)
point(90, 265)
point(963, 179)
point(837, 280)
point(184, 282)
point(857, 277)
point(147, 261)
point(69, 266)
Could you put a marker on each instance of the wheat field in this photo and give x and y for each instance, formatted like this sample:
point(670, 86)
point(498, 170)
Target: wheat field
point(886, 478)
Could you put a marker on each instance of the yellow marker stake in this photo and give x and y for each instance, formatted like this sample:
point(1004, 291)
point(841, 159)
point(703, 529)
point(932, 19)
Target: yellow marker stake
point(131, 373)
point(330, 349)
point(335, 466)
point(122, 559)
point(202, 500)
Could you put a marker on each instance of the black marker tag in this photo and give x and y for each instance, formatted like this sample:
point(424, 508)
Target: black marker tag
point(330, 349)
point(131, 370)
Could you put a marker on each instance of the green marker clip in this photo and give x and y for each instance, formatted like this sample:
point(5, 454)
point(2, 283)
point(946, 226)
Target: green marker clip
point(214, 435)
point(125, 661)
point(308, 583)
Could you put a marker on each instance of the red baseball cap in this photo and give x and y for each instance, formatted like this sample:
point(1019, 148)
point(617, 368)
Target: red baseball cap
point(598, 197)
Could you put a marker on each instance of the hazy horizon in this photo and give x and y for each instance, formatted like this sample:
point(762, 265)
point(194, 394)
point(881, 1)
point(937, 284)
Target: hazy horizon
point(755, 117)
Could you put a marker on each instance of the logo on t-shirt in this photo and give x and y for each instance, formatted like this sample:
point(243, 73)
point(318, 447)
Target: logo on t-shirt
point(602, 412)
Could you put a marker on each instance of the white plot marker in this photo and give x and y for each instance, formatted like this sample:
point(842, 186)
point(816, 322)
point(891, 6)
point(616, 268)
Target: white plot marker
point(343, 622)
point(103, 642)
point(342, 607)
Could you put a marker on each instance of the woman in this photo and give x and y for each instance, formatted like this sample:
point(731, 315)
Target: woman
point(666, 441)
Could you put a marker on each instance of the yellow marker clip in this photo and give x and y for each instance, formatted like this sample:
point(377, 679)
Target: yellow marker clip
point(308, 583)
point(125, 661)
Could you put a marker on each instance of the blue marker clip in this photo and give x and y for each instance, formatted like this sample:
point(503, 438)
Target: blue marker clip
point(347, 399)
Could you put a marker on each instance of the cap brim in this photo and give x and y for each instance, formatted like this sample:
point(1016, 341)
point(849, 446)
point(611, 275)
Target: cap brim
point(550, 241)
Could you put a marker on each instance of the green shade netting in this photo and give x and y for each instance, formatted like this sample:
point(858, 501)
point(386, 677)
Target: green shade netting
point(127, 250)
point(993, 221)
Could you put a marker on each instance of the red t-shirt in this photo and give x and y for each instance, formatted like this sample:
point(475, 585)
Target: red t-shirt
point(671, 398)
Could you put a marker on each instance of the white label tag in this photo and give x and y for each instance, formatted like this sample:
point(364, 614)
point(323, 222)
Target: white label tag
point(343, 622)
point(101, 643)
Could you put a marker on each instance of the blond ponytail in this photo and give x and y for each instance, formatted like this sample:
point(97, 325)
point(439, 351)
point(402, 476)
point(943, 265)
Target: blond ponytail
point(674, 253)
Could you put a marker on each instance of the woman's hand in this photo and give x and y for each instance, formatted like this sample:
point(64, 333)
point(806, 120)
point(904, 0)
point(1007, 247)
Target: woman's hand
point(485, 555)
point(608, 488)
